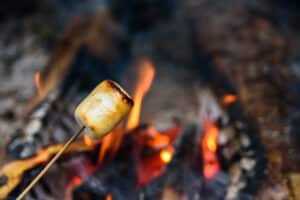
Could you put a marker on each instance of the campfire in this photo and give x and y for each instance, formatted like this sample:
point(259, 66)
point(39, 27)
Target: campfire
point(192, 132)
point(140, 156)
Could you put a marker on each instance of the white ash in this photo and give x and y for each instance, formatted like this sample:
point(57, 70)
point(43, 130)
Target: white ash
point(232, 192)
point(19, 60)
point(33, 127)
point(248, 163)
point(226, 135)
point(245, 140)
point(208, 107)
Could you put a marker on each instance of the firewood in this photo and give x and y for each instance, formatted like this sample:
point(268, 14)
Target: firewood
point(84, 32)
point(12, 173)
point(99, 113)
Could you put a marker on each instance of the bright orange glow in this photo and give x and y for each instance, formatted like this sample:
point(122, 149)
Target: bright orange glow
point(209, 150)
point(37, 82)
point(88, 140)
point(151, 166)
point(117, 137)
point(77, 180)
point(211, 136)
point(166, 155)
point(145, 75)
point(111, 144)
point(112, 141)
point(157, 139)
point(229, 99)
point(106, 143)
point(108, 197)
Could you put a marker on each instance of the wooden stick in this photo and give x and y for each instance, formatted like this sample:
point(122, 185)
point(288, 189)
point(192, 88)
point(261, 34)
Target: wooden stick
point(52, 161)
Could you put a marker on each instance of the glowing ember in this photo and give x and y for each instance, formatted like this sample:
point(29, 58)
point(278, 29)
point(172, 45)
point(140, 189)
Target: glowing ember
point(209, 150)
point(145, 77)
point(37, 82)
point(229, 99)
point(88, 140)
point(166, 155)
point(157, 139)
point(77, 180)
point(108, 197)
point(149, 168)
point(152, 166)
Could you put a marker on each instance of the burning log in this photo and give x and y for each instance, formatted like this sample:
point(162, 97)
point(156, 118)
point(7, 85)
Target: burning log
point(183, 174)
point(72, 58)
point(248, 60)
point(100, 112)
point(12, 173)
point(222, 161)
point(135, 165)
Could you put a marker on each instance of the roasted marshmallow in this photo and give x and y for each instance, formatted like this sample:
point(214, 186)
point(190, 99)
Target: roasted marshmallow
point(103, 108)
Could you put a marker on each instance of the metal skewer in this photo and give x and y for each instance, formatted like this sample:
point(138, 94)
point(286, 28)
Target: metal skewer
point(52, 161)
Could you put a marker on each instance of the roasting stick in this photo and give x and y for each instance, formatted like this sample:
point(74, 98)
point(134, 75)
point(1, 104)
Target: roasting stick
point(52, 161)
point(97, 114)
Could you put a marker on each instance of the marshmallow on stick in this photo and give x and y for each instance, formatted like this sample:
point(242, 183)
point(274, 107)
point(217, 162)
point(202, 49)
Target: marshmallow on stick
point(103, 109)
point(98, 113)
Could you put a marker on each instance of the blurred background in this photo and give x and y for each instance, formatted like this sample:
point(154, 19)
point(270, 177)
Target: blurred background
point(247, 48)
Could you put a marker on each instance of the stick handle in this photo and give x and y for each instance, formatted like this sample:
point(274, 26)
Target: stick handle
point(52, 161)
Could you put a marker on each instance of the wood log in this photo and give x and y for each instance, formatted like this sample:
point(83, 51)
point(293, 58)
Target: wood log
point(12, 173)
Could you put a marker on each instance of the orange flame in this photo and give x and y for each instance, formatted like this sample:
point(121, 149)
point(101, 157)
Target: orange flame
point(37, 82)
point(113, 140)
point(106, 142)
point(152, 166)
point(229, 99)
point(209, 150)
point(145, 78)
point(108, 197)
point(88, 140)
point(157, 139)
point(111, 143)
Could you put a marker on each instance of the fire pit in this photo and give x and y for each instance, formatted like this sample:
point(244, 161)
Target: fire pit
point(189, 134)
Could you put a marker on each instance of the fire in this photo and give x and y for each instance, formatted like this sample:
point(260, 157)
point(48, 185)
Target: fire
point(37, 82)
point(209, 150)
point(166, 155)
point(211, 137)
point(113, 140)
point(106, 143)
point(76, 180)
point(145, 77)
point(157, 139)
point(153, 165)
point(229, 99)
point(111, 144)
point(108, 197)
point(88, 140)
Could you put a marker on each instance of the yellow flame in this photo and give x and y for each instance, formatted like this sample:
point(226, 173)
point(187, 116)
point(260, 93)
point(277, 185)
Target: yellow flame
point(166, 155)
point(145, 77)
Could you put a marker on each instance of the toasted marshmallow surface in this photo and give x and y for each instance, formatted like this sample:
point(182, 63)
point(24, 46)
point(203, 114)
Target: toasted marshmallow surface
point(103, 108)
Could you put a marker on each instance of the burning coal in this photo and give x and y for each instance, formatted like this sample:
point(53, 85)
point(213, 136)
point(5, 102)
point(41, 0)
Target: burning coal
point(209, 147)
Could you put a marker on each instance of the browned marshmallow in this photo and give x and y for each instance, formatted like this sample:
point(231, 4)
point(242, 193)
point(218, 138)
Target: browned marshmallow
point(103, 108)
